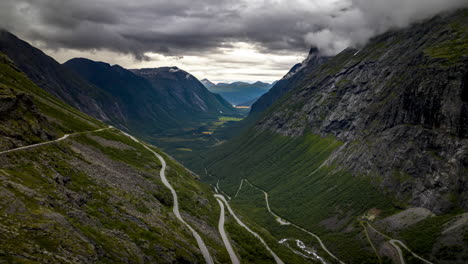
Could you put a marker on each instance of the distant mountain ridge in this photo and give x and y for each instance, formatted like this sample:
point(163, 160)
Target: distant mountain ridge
point(239, 92)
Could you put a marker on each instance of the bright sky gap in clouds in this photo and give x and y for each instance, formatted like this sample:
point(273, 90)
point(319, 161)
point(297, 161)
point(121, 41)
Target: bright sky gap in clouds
point(222, 40)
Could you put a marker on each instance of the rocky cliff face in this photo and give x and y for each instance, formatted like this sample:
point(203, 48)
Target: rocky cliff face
point(20, 121)
point(400, 106)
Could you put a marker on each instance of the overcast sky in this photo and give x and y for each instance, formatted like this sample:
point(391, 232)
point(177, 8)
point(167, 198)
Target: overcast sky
point(222, 40)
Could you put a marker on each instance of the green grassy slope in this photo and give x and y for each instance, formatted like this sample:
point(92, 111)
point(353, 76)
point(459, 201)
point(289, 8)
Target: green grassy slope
point(299, 189)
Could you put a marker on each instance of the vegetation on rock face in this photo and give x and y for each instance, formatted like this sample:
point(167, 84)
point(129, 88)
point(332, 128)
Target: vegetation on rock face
point(454, 46)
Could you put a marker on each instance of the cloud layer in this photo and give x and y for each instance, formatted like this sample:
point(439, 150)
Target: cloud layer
point(206, 27)
point(360, 20)
point(182, 27)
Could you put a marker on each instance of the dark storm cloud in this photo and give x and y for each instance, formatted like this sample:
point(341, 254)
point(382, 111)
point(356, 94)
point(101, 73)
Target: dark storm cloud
point(363, 19)
point(185, 27)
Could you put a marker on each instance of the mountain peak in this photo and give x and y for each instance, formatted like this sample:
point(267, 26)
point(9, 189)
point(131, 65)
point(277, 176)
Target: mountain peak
point(313, 51)
point(86, 61)
point(207, 83)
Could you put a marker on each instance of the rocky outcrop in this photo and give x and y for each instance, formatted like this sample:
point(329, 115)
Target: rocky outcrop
point(400, 105)
point(21, 124)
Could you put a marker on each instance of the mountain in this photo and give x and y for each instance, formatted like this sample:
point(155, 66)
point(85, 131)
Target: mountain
point(207, 83)
point(186, 93)
point(367, 150)
point(75, 190)
point(261, 103)
point(175, 105)
point(135, 94)
point(155, 105)
point(59, 81)
point(166, 106)
point(240, 92)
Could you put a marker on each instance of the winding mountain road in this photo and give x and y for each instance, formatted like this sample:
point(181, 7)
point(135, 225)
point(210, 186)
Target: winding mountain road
point(175, 208)
point(397, 244)
point(277, 259)
point(400, 253)
point(217, 186)
point(226, 241)
point(52, 141)
point(282, 221)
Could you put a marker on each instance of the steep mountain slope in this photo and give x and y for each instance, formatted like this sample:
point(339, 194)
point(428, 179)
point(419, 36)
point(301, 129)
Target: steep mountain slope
point(184, 93)
point(59, 81)
point(73, 190)
point(240, 92)
point(365, 135)
point(146, 109)
point(172, 99)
